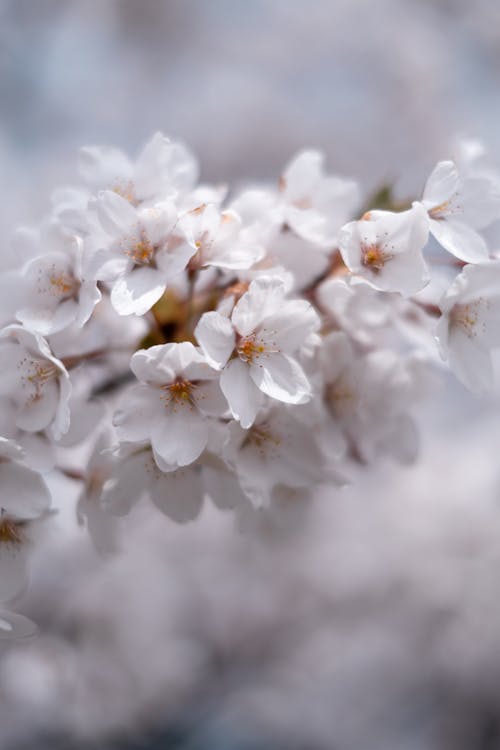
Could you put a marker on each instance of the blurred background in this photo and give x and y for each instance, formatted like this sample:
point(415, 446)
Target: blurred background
point(372, 619)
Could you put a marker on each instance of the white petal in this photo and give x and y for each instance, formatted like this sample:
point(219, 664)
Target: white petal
point(116, 214)
point(38, 413)
point(471, 364)
point(215, 334)
point(130, 480)
point(243, 396)
point(282, 378)
point(24, 494)
point(460, 240)
point(100, 165)
point(137, 291)
point(263, 298)
point(134, 419)
point(180, 436)
point(179, 494)
point(289, 327)
point(441, 183)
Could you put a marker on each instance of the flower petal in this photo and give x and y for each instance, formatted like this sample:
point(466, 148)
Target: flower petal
point(215, 334)
point(243, 397)
point(180, 437)
point(282, 378)
point(179, 494)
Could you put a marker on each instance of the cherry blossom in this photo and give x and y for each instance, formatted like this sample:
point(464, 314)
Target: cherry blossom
point(276, 451)
point(314, 205)
point(255, 348)
point(171, 407)
point(35, 381)
point(162, 167)
point(56, 289)
point(216, 239)
point(161, 341)
point(138, 253)
point(458, 205)
point(469, 328)
point(385, 248)
point(25, 498)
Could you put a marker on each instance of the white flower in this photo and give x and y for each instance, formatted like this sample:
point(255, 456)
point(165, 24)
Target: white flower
point(139, 253)
point(354, 306)
point(24, 498)
point(179, 392)
point(215, 239)
point(162, 168)
point(385, 248)
point(275, 452)
point(314, 205)
point(178, 494)
point(255, 347)
point(369, 397)
point(458, 205)
point(470, 325)
point(37, 383)
point(57, 291)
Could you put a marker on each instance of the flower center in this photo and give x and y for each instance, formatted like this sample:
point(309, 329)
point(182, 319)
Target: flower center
point(36, 374)
point(126, 190)
point(466, 317)
point(374, 257)
point(249, 349)
point(178, 393)
point(11, 531)
point(141, 250)
point(64, 285)
point(439, 212)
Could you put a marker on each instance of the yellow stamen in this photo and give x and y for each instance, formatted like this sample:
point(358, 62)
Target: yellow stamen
point(11, 531)
point(374, 257)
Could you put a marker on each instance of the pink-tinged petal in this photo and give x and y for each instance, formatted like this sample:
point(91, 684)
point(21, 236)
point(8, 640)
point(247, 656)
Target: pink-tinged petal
point(24, 494)
point(460, 240)
point(243, 396)
point(138, 409)
point(281, 377)
point(179, 494)
point(137, 291)
point(181, 436)
point(441, 184)
point(263, 298)
point(215, 334)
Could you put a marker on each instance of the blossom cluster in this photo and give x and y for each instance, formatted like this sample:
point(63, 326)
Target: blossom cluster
point(240, 348)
